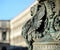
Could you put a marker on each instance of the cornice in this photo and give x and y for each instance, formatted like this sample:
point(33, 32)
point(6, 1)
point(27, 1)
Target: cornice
point(22, 15)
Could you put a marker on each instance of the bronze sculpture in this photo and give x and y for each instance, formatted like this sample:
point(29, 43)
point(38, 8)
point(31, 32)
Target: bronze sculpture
point(45, 20)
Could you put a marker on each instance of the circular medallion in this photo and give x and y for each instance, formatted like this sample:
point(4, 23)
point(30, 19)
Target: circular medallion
point(56, 23)
point(56, 27)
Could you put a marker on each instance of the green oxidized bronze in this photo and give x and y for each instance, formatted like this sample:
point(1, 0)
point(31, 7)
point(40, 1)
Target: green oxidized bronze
point(44, 23)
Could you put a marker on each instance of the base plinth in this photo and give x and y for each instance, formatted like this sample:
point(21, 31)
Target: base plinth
point(46, 46)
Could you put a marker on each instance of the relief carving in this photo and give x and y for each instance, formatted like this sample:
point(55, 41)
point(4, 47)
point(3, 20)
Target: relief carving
point(44, 22)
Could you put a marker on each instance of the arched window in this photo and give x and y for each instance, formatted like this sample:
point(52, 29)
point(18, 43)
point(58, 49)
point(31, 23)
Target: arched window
point(3, 35)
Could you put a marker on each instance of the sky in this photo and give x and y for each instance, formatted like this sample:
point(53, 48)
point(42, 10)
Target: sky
point(10, 8)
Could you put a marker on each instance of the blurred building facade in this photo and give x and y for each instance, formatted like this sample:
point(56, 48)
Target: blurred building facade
point(10, 31)
point(4, 34)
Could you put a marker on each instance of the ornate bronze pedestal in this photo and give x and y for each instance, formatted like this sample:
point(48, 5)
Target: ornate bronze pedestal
point(42, 31)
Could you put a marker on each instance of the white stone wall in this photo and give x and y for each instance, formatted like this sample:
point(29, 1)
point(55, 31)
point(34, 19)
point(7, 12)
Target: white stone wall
point(0, 36)
point(17, 24)
point(16, 30)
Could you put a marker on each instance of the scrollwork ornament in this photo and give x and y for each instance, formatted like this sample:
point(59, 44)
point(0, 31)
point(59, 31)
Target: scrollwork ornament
point(56, 23)
point(46, 23)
